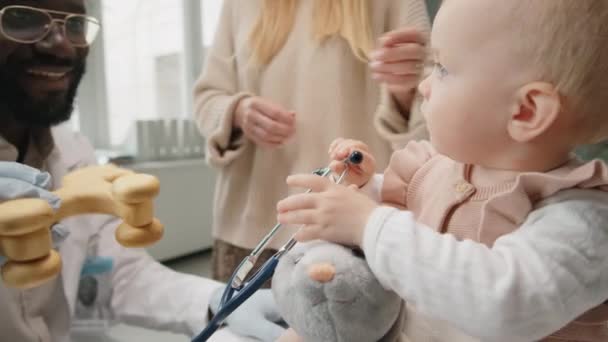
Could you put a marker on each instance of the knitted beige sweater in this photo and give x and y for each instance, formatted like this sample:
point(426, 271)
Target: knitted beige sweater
point(437, 190)
point(331, 91)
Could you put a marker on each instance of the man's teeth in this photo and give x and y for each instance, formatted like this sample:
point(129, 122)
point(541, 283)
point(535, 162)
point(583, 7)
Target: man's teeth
point(48, 74)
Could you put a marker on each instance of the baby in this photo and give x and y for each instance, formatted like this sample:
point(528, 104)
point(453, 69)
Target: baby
point(516, 86)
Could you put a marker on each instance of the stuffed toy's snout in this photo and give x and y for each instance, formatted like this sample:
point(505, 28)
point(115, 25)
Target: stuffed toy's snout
point(322, 272)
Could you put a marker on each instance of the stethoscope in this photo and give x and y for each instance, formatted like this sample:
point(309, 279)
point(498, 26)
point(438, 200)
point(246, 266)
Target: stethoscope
point(238, 290)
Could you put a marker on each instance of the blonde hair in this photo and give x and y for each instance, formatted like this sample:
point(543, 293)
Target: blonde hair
point(349, 19)
point(569, 44)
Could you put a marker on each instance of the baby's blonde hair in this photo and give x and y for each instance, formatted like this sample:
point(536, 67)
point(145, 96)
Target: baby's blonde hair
point(349, 19)
point(568, 41)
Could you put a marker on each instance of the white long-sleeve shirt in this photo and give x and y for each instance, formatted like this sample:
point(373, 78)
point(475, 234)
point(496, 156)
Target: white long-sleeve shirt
point(528, 285)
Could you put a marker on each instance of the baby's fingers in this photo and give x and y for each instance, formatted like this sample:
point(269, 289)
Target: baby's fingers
point(334, 144)
point(309, 181)
point(309, 233)
point(297, 202)
point(337, 166)
point(342, 148)
point(298, 217)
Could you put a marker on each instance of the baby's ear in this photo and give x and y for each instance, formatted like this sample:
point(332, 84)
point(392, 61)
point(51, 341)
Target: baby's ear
point(536, 109)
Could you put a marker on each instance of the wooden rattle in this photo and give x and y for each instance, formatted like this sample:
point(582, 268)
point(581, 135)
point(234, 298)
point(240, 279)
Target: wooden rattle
point(25, 224)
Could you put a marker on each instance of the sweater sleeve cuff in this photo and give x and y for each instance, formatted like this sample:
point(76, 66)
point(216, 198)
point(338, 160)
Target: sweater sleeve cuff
point(390, 123)
point(225, 143)
point(397, 128)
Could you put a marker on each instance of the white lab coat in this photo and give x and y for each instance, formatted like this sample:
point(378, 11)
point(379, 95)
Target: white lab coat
point(146, 293)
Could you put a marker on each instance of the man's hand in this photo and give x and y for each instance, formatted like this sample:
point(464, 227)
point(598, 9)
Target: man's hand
point(331, 212)
point(263, 122)
point(20, 181)
point(257, 318)
point(399, 62)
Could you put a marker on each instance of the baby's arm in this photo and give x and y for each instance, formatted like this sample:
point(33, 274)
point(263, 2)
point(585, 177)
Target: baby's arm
point(390, 187)
point(401, 170)
point(528, 285)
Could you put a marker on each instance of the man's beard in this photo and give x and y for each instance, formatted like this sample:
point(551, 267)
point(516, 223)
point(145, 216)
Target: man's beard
point(55, 108)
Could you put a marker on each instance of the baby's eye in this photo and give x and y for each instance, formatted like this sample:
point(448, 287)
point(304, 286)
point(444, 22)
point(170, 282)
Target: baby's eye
point(440, 69)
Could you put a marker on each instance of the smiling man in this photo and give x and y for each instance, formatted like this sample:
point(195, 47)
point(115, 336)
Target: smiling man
point(43, 50)
point(48, 64)
point(42, 59)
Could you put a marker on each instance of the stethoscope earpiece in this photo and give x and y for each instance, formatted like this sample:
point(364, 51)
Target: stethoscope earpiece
point(355, 158)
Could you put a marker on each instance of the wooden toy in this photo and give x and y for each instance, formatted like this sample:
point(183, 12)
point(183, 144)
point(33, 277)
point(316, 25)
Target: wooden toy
point(25, 224)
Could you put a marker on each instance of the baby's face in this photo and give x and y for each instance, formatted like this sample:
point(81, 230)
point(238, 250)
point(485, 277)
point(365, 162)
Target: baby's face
point(471, 93)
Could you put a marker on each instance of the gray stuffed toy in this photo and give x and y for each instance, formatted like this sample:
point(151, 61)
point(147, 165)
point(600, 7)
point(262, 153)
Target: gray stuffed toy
point(326, 292)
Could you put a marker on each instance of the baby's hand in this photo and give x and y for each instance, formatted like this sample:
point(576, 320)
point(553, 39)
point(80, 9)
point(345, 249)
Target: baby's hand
point(330, 212)
point(358, 174)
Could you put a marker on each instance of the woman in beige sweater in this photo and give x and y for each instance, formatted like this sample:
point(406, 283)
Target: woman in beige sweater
point(282, 80)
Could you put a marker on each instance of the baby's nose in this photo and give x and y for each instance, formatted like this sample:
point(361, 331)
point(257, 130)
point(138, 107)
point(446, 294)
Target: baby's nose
point(322, 272)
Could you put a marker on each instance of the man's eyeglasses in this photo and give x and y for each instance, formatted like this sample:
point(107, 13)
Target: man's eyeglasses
point(28, 25)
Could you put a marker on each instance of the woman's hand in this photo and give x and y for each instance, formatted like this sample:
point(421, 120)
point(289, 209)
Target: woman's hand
point(399, 62)
point(265, 123)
